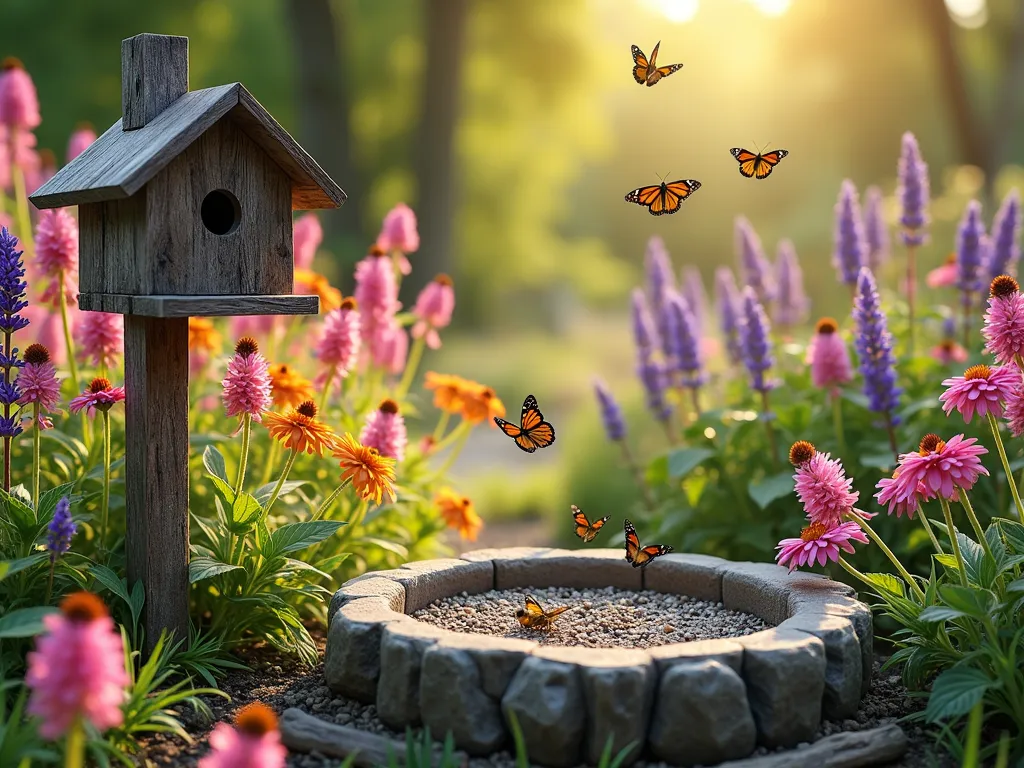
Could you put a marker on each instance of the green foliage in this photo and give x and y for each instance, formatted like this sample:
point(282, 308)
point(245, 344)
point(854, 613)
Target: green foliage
point(419, 752)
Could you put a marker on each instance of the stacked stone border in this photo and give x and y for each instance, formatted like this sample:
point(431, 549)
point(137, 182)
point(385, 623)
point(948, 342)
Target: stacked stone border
point(695, 703)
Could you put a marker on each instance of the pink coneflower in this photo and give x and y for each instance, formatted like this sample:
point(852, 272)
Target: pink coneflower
point(1004, 320)
point(433, 310)
point(307, 235)
point(77, 669)
point(399, 233)
point(254, 742)
point(901, 499)
point(101, 335)
point(1014, 412)
point(247, 385)
point(57, 253)
point(376, 292)
point(82, 137)
point(100, 395)
point(389, 347)
point(38, 382)
point(944, 276)
point(819, 543)
point(828, 357)
point(948, 352)
point(339, 343)
point(824, 489)
point(19, 103)
point(982, 389)
point(942, 466)
point(385, 431)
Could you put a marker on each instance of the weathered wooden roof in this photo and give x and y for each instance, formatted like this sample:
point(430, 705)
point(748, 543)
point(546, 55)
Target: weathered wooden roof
point(119, 163)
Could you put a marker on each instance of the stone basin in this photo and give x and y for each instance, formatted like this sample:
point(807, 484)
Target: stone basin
point(692, 703)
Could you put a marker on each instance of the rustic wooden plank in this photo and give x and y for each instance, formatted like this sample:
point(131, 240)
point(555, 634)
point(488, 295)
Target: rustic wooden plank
point(91, 248)
point(154, 73)
point(156, 469)
point(302, 732)
point(199, 306)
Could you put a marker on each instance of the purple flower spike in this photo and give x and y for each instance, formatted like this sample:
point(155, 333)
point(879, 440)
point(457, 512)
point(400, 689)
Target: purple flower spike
point(692, 288)
point(12, 284)
point(875, 229)
point(755, 341)
point(727, 305)
point(913, 192)
point(611, 413)
point(874, 348)
point(643, 325)
point(754, 267)
point(851, 248)
point(949, 327)
point(791, 304)
point(655, 379)
point(660, 280)
point(970, 250)
point(1005, 252)
point(60, 530)
point(685, 340)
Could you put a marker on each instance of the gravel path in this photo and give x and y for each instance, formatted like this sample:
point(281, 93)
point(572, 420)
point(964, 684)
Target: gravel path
point(597, 618)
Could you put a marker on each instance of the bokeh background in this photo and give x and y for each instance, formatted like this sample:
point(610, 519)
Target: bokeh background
point(514, 128)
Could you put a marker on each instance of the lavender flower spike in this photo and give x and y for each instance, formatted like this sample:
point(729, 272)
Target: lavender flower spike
point(1005, 252)
point(792, 304)
point(60, 530)
point(12, 301)
point(755, 342)
point(875, 229)
point(654, 377)
point(685, 341)
point(913, 192)
point(874, 348)
point(851, 247)
point(692, 289)
point(970, 248)
point(611, 413)
point(727, 304)
point(643, 325)
point(660, 280)
point(754, 267)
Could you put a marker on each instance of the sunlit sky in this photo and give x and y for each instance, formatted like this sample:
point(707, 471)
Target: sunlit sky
point(967, 13)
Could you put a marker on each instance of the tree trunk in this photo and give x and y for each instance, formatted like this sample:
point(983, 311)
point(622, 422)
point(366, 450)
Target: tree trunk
point(324, 100)
point(445, 24)
point(1009, 100)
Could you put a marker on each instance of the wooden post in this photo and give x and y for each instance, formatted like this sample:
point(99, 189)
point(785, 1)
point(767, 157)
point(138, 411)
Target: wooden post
point(154, 73)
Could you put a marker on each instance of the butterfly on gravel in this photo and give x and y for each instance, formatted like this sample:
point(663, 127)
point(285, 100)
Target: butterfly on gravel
point(532, 616)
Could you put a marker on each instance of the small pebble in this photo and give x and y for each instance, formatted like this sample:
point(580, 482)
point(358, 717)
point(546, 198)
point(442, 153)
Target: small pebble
point(669, 628)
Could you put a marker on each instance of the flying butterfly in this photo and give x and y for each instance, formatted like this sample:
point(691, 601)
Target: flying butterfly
point(585, 529)
point(533, 432)
point(641, 557)
point(535, 617)
point(757, 165)
point(648, 71)
point(663, 198)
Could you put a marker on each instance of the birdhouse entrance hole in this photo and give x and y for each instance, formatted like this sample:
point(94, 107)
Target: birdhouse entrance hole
point(220, 212)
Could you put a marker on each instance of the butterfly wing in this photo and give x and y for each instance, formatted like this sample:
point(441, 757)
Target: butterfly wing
point(748, 161)
point(534, 432)
point(508, 428)
point(555, 612)
point(677, 191)
point(648, 553)
point(641, 66)
point(632, 542)
point(765, 163)
point(661, 72)
point(585, 529)
point(533, 607)
point(645, 196)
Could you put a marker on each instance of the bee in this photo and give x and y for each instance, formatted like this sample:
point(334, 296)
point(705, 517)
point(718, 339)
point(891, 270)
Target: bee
point(535, 617)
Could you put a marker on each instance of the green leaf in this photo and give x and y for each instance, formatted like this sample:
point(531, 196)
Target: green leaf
point(11, 567)
point(1014, 533)
point(48, 500)
point(657, 471)
point(245, 511)
point(213, 460)
point(21, 514)
point(385, 544)
point(295, 536)
point(771, 488)
point(955, 691)
point(683, 461)
point(969, 600)
point(264, 492)
point(111, 581)
point(24, 622)
point(1017, 585)
point(200, 568)
point(935, 613)
point(888, 582)
point(223, 488)
point(331, 564)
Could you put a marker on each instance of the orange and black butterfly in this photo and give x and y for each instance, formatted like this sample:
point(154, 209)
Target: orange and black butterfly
point(535, 617)
point(663, 198)
point(648, 71)
point(639, 556)
point(533, 432)
point(585, 529)
point(757, 166)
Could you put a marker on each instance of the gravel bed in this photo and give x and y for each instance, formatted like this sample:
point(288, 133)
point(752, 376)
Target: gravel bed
point(597, 618)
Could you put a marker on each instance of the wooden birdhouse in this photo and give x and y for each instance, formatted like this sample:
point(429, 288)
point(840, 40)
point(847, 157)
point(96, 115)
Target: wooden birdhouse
point(185, 209)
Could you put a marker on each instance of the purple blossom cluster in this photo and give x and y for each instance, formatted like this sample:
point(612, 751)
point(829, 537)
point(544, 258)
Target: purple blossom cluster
point(727, 304)
point(1004, 252)
point(791, 303)
point(755, 342)
point(851, 248)
point(913, 192)
point(12, 302)
point(754, 267)
point(874, 348)
point(970, 251)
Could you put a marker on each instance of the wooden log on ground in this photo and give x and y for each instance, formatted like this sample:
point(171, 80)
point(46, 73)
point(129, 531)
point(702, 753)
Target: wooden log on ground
point(850, 749)
point(303, 732)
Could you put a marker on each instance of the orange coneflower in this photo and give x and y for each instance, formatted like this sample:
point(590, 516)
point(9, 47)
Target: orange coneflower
point(371, 474)
point(300, 431)
point(458, 513)
point(480, 403)
point(314, 284)
point(288, 387)
point(447, 390)
point(202, 336)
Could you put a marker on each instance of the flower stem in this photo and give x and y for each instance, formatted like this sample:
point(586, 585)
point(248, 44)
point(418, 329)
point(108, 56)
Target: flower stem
point(889, 553)
point(965, 502)
point(412, 365)
point(329, 501)
point(952, 540)
point(911, 286)
point(69, 342)
point(1006, 465)
point(7, 415)
point(928, 529)
point(21, 206)
point(770, 430)
point(442, 425)
point(280, 482)
point(631, 463)
point(244, 458)
point(49, 581)
point(36, 452)
point(106, 478)
point(837, 422)
point(74, 746)
point(326, 396)
point(855, 573)
point(695, 394)
point(463, 431)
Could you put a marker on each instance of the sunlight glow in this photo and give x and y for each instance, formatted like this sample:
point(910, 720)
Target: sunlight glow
point(676, 11)
point(773, 7)
point(970, 14)
point(709, 433)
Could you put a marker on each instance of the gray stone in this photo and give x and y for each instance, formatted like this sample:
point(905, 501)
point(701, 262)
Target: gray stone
point(452, 699)
point(851, 749)
point(725, 651)
point(444, 577)
point(808, 599)
point(519, 567)
point(401, 655)
point(701, 715)
point(784, 671)
point(698, 576)
point(764, 589)
point(546, 698)
point(352, 657)
point(618, 687)
point(497, 658)
point(368, 585)
point(843, 674)
point(302, 732)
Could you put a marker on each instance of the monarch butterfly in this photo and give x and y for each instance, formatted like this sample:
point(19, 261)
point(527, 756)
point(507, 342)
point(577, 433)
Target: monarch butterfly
point(649, 72)
point(663, 198)
point(533, 432)
point(639, 556)
point(757, 165)
point(535, 617)
point(585, 529)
